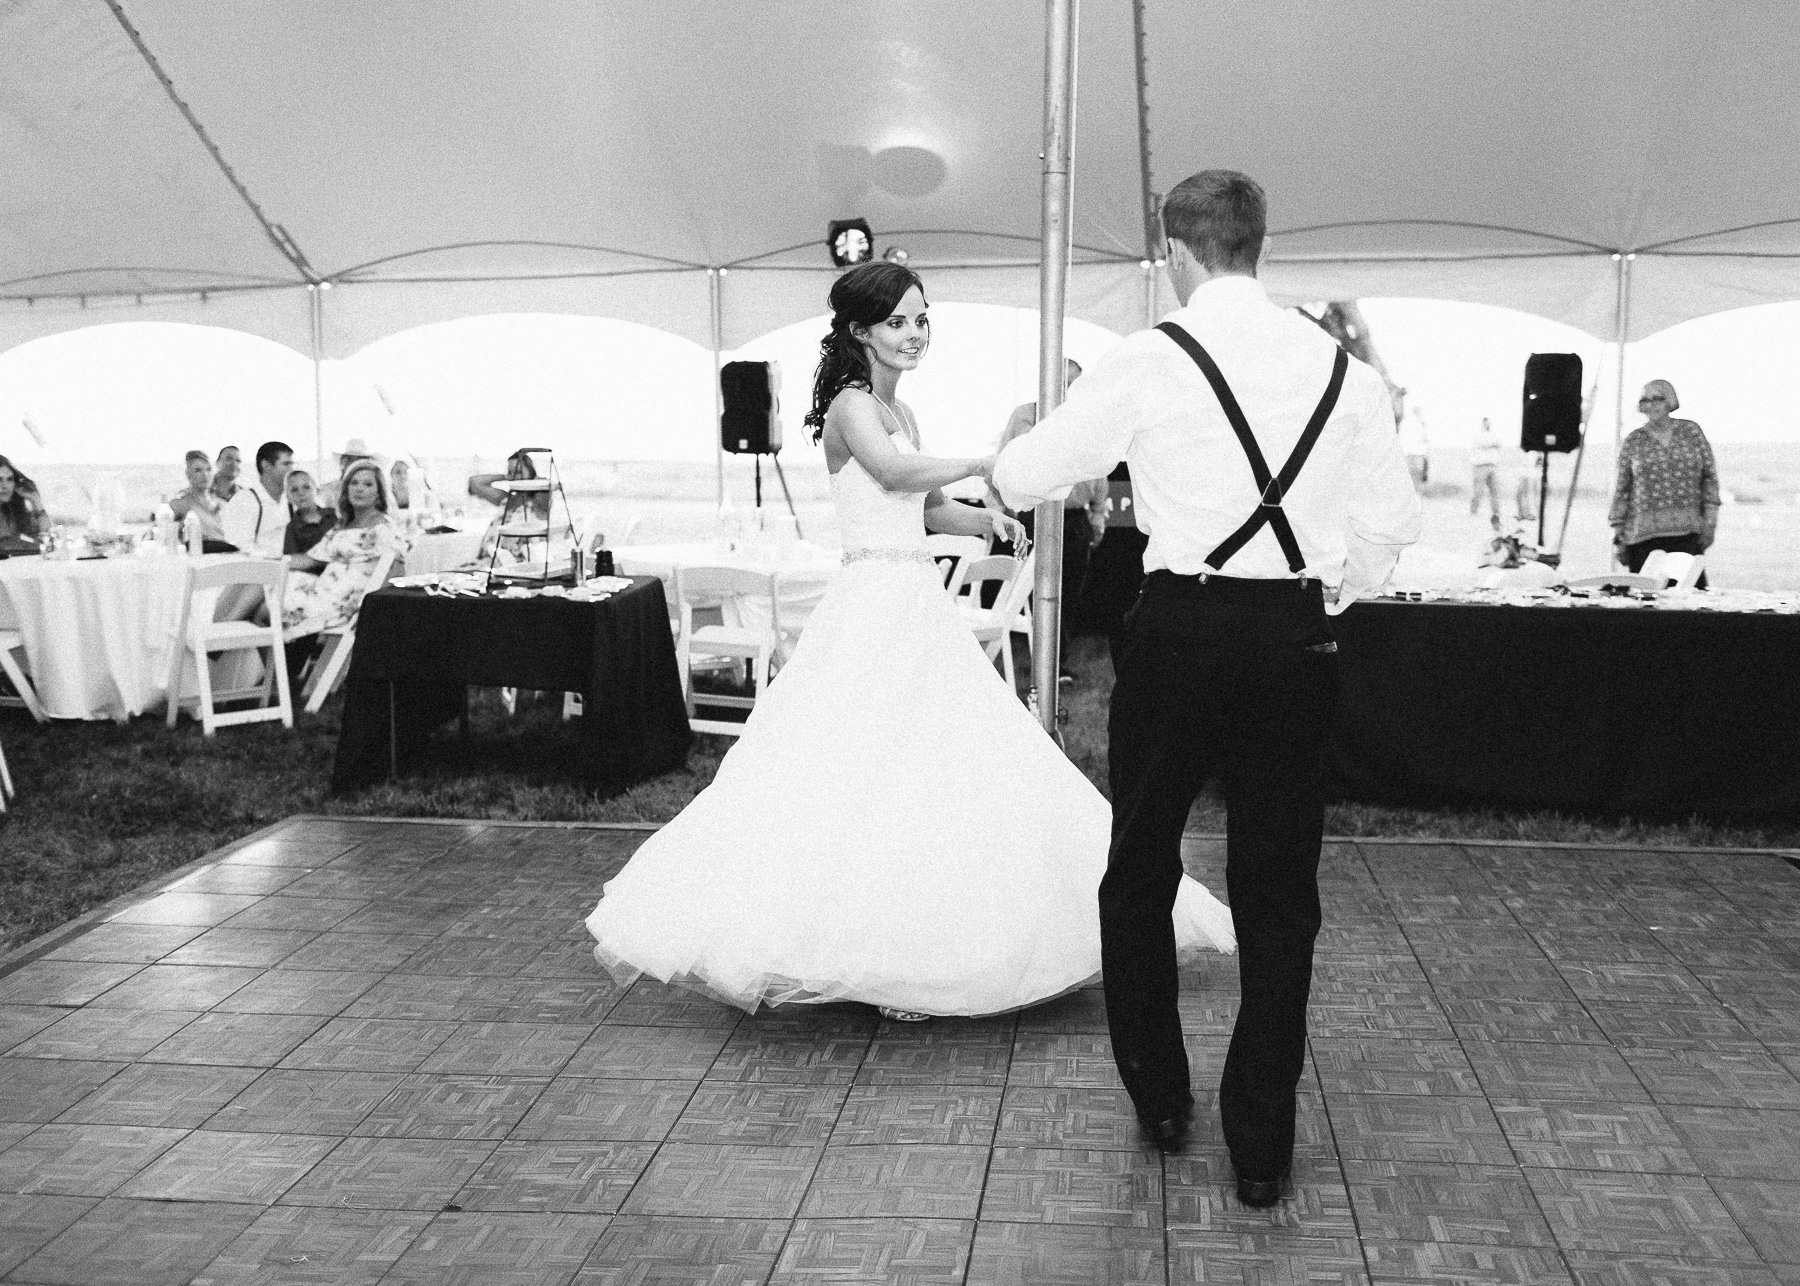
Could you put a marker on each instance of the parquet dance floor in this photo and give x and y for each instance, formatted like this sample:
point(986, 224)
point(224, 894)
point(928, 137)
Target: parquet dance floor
point(354, 1052)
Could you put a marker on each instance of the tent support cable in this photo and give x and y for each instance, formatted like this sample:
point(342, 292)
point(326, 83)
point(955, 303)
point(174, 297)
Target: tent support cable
point(277, 235)
point(1061, 18)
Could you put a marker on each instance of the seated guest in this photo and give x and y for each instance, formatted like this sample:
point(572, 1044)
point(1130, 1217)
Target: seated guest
point(22, 516)
point(256, 518)
point(326, 584)
point(199, 498)
point(535, 510)
point(1666, 495)
point(225, 479)
point(308, 520)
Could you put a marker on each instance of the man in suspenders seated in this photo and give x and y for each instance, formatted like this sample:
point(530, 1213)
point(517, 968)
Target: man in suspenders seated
point(1267, 473)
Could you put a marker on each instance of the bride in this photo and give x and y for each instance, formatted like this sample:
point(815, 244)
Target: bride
point(893, 827)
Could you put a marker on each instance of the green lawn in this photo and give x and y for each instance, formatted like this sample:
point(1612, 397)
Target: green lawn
point(104, 808)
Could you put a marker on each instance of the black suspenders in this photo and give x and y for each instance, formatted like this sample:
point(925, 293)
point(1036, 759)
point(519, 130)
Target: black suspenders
point(1275, 488)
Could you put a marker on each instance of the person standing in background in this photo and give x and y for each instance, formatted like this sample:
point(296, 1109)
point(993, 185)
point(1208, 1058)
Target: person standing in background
point(225, 475)
point(1666, 495)
point(22, 514)
point(1484, 464)
point(1084, 519)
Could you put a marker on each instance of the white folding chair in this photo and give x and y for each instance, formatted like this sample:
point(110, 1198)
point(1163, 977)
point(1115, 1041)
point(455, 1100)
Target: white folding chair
point(958, 552)
point(199, 638)
point(994, 626)
point(744, 644)
point(6, 787)
point(329, 667)
point(12, 641)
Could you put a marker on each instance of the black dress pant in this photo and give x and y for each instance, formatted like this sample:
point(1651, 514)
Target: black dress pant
point(1232, 680)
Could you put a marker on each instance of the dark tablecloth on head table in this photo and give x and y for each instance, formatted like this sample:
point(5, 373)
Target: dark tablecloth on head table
point(1600, 709)
point(616, 652)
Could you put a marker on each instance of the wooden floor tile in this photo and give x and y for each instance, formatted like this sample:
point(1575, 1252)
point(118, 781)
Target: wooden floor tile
point(638, 1250)
point(1414, 1201)
point(390, 1174)
point(1573, 1134)
point(609, 1110)
point(211, 1165)
point(27, 1223)
point(897, 1179)
point(1095, 1119)
point(586, 1177)
point(897, 1250)
point(1647, 1214)
point(724, 1181)
point(1034, 1254)
point(498, 1248)
point(66, 982)
point(305, 1102)
point(243, 1040)
point(450, 1106)
point(300, 1246)
point(1062, 1185)
point(81, 1160)
point(780, 1115)
point(137, 1243)
point(648, 1052)
point(942, 1114)
point(165, 1095)
point(106, 1033)
point(126, 943)
point(1462, 1265)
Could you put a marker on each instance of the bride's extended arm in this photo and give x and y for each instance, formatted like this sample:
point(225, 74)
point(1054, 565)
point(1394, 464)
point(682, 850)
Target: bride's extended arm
point(857, 416)
point(952, 518)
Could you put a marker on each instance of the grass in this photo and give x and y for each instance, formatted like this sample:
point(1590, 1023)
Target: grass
point(105, 808)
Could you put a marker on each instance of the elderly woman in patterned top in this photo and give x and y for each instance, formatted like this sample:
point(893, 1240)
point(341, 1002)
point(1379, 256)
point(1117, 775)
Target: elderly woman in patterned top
point(1667, 493)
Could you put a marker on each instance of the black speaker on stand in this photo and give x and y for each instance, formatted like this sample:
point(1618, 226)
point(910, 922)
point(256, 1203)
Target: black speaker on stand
point(1550, 418)
point(751, 421)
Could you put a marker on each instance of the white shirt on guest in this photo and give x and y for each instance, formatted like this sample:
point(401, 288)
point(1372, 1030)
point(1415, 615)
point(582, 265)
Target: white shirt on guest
point(255, 521)
point(1352, 508)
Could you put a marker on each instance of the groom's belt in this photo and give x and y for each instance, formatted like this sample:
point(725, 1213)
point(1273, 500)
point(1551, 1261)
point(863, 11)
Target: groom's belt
point(1242, 588)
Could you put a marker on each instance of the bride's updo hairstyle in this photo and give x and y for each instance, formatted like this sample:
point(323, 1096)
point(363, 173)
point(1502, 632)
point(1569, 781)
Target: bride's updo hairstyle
point(864, 296)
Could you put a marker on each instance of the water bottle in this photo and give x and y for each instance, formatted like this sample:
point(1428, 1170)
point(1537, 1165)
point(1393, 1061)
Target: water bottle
point(190, 528)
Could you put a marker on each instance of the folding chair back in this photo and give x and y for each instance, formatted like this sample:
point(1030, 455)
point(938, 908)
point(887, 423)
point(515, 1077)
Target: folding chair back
point(953, 555)
point(993, 626)
point(329, 668)
point(750, 644)
point(199, 638)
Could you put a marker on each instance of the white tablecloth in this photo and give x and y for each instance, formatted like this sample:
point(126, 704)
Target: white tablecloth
point(97, 632)
point(803, 574)
point(444, 551)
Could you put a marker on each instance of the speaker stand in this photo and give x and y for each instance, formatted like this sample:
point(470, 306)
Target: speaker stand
point(784, 491)
point(1543, 493)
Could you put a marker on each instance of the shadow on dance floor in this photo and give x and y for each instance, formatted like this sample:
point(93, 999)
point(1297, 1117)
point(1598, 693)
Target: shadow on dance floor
point(359, 1051)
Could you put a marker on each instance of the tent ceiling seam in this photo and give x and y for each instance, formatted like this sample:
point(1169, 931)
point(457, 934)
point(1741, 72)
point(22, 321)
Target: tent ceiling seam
point(1447, 223)
point(1111, 256)
point(278, 236)
point(1138, 27)
point(668, 263)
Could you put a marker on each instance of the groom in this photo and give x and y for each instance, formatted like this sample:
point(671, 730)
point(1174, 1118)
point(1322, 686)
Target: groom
point(1268, 475)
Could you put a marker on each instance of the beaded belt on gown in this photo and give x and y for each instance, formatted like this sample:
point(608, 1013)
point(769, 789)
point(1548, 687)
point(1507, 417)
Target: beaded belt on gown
point(886, 555)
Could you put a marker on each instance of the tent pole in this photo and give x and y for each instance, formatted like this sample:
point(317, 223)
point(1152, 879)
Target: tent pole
point(1053, 279)
point(1622, 329)
point(1149, 294)
point(715, 289)
point(316, 304)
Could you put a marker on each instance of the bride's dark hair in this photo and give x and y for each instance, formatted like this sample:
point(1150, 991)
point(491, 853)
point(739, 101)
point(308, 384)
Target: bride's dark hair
point(864, 296)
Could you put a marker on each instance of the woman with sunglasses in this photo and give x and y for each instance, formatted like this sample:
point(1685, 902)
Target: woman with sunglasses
point(1667, 493)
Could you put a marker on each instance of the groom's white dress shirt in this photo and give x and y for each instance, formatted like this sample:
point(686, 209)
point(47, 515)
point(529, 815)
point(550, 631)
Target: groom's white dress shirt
point(1353, 507)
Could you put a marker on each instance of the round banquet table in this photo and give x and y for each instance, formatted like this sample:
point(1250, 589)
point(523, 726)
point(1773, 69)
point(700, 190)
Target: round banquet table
point(97, 632)
point(803, 574)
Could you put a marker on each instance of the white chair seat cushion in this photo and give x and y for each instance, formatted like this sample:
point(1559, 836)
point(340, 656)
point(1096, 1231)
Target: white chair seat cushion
point(729, 636)
point(217, 634)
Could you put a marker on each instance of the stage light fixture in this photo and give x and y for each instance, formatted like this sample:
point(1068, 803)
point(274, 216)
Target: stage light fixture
point(850, 241)
point(896, 255)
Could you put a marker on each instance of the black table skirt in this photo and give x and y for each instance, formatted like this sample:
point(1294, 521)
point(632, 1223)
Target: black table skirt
point(616, 652)
point(1614, 711)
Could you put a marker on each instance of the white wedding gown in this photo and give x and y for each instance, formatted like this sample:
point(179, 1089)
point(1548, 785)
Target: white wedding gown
point(893, 826)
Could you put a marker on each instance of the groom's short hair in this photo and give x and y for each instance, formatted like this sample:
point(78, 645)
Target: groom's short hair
point(1220, 215)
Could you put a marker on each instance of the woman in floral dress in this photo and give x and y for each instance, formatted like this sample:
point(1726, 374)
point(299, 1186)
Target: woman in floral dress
point(326, 584)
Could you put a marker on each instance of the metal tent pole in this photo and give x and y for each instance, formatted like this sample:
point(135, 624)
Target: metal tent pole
point(715, 301)
point(1053, 278)
point(316, 305)
point(1622, 318)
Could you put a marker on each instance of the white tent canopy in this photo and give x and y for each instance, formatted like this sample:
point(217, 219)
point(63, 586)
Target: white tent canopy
point(1620, 167)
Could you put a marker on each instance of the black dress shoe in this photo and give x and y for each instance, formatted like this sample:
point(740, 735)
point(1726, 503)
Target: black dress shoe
point(1169, 1132)
point(1259, 1193)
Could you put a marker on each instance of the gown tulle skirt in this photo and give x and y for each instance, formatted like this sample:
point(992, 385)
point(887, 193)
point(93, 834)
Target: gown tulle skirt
point(893, 827)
